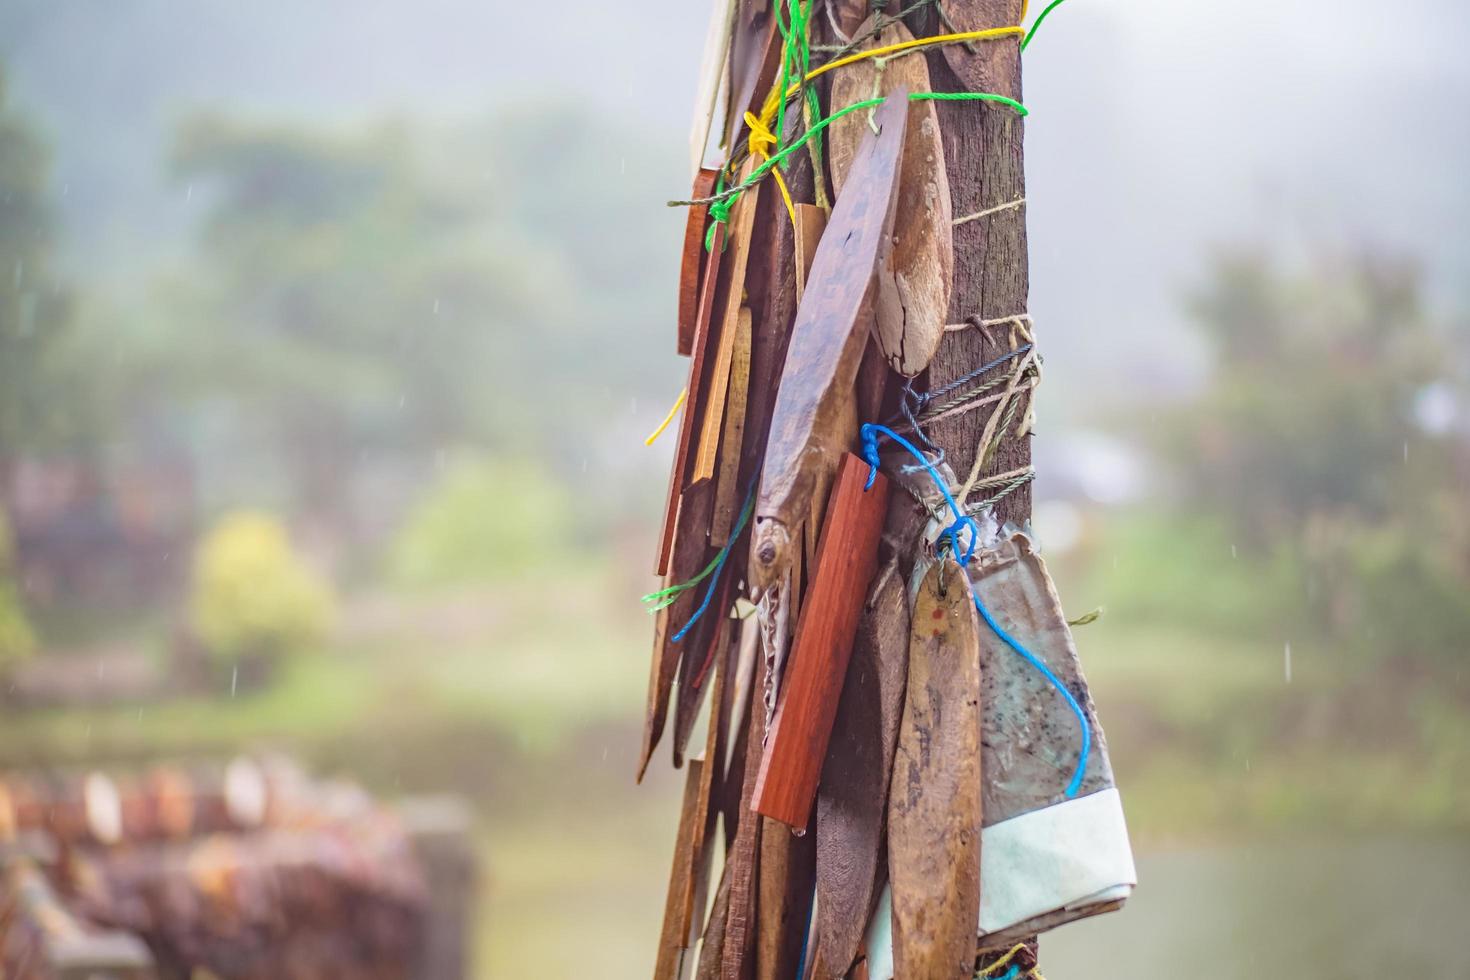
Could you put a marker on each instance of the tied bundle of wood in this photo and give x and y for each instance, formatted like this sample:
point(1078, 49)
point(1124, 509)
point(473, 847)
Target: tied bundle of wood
point(902, 770)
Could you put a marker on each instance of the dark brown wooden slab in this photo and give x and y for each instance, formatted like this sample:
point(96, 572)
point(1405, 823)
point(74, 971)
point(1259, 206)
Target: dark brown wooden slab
point(827, 344)
point(691, 260)
point(934, 800)
point(852, 801)
point(984, 66)
point(847, 557)
point(787, 868)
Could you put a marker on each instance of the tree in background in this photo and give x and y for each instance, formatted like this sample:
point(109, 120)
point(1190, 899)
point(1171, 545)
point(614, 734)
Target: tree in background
point(34, 309)
point(1331, 434)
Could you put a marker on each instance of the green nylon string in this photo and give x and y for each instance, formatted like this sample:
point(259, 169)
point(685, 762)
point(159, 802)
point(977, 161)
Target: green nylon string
point(667, 597)
point(776, 158)
point(1037, 22)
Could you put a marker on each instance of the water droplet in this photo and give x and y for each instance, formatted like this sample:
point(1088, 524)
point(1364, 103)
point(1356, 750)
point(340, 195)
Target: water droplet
point(234, 679)
point(1288, 663)
point(436, 306)
point(1233, 553)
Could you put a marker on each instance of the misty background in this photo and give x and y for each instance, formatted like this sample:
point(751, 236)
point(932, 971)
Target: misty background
point(394, 283)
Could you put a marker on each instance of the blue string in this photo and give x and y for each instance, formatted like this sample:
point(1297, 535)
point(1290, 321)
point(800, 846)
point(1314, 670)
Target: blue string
point(714, 581)
point(870, 433)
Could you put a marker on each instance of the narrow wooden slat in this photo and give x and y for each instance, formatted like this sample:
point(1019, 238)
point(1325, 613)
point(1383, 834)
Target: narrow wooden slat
point(691, 260)
point(742, 225)
point(729, 496)
point(811, 221)
point(738, 960)
point(934, 806)
point(691, 552)
point(694, 398)
point(852, 800)
point(673, 943)
point(846, 559)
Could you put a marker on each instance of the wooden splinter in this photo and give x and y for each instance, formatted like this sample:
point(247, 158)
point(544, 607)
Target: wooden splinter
point(846, 559)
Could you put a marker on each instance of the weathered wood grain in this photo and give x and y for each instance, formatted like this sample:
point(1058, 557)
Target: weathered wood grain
point(852, 801)
point(934, 798)
point(787, 867)
point(846, 559)
point(983, 156)
point(673, 943)
point(712, 949)
point(755, 55)
point(742, 225)
point(729, 496)
point(914, 283)
point(691, 260)
point(984, 66)
point(826, 345)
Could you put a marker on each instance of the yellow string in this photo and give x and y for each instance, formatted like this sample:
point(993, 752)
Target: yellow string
point(760, 144)
point(998, 964)
point(667, 418)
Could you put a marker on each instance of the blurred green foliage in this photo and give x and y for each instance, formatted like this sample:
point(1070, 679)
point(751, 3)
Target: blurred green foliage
point(17, 640)
point(1309, 445)
point(483, 520)
point(35, 309)
point(253, 596)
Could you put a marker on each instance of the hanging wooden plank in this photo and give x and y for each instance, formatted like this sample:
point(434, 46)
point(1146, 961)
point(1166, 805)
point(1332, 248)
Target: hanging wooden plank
point(742, 225)
point(852, 800)
point(846, 560)
point(729, 496)
point(826, 346)
point(679, 470)
point(691, 259)
point(934, 803)
point(914, 283)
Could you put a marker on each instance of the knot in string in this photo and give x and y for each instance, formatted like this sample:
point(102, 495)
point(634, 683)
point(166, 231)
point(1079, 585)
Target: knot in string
point(762, 140)
point(869, 434)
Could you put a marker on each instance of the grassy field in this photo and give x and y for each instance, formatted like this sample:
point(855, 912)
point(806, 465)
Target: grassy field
point(527, 702)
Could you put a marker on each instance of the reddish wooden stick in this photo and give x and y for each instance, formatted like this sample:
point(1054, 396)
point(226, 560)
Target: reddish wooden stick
point(847, 557)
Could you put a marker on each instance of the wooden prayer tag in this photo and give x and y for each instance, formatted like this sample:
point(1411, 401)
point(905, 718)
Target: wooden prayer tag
point(934, 797)
point(690, 260)
point(792, 762)
point(728, 499)
point(826, 346)
point(914, 282)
